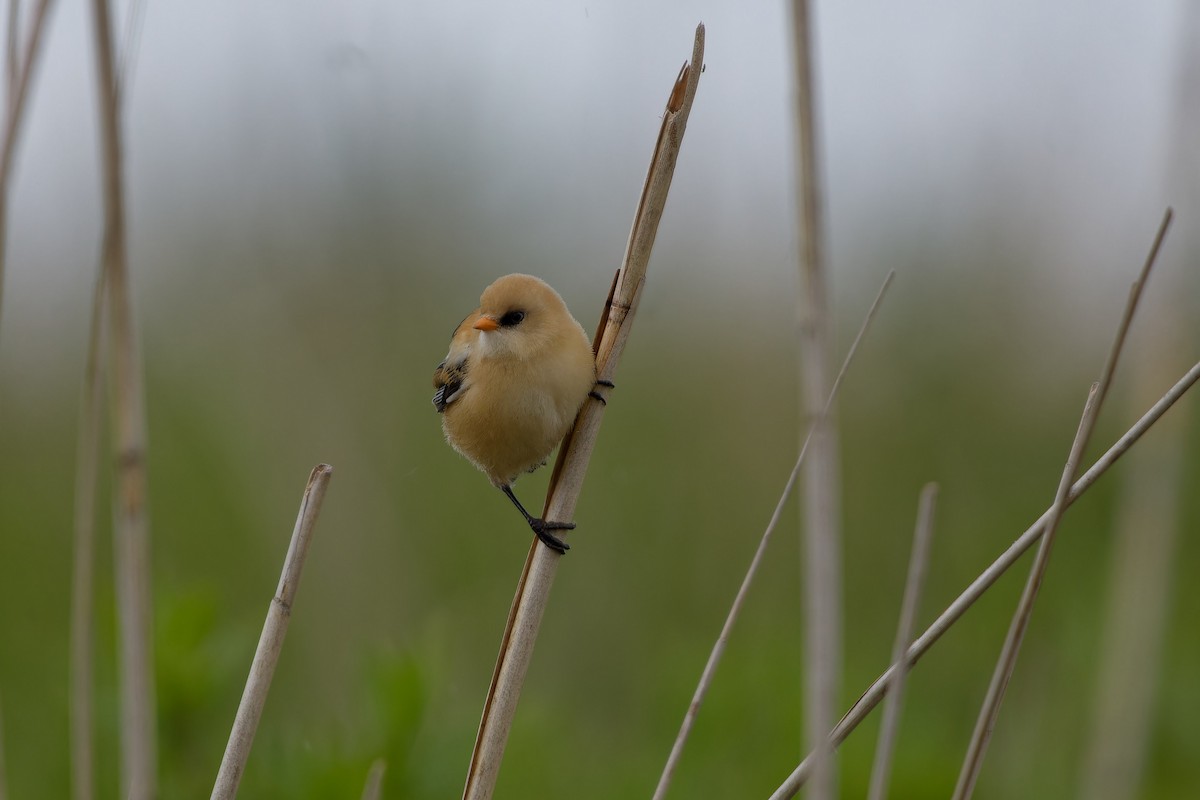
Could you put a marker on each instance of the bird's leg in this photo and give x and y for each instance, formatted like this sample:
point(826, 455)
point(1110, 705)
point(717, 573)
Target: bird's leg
point(541, 527)
point(596, 395)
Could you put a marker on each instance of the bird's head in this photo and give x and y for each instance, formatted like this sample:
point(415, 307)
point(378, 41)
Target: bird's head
point(520, 316)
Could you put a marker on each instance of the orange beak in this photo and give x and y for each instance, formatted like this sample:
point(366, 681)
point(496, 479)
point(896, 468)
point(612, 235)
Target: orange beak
point(486, 324)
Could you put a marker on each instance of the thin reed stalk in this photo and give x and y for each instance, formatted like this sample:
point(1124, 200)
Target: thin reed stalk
point(19, 68)
point(714, 658)
point(541, 565)
point(270, 643)
point(1148, 516)
point(918, 562)
point(821, 514)
point(87, 465)
point(876, 691)
point(1007, 661)
point(131, 534)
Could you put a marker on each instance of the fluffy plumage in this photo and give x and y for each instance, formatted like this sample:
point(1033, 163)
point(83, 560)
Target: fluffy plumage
point(519, 368)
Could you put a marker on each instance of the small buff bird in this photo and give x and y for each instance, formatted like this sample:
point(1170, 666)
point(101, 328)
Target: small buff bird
point(518, 371)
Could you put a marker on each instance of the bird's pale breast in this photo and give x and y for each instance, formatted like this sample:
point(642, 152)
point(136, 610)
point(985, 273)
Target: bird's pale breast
point(511, 431)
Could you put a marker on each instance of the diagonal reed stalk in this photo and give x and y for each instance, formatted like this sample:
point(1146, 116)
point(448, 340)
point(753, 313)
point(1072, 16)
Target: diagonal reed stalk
point(131, 533)
point(537, 577)
point(19, 69)
point(270, 643)
point(821, 508)
point(917, 567)
point(1007, 661)
point(875, 692)
point(714, 658)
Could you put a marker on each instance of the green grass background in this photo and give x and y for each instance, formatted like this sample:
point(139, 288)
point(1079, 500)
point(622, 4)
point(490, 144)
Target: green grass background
point(253, 379)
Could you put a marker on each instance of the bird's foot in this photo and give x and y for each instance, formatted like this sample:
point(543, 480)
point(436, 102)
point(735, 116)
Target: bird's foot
point(596, 395)
point(542, 528)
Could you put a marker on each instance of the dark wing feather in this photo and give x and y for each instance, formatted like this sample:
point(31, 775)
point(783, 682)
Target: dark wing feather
point(451, 374)
point(449, 383)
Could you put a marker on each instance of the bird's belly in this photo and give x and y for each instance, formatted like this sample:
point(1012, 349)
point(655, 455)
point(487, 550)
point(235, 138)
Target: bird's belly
point(505, 437)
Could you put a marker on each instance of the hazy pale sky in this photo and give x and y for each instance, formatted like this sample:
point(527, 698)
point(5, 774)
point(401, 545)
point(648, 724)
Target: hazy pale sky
point(935, 116)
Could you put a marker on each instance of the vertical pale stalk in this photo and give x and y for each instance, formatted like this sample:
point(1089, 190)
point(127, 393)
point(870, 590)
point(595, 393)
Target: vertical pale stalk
point(87, 464)
point(1007, 661)
point(131, 535)
point(917, 565)
point(19, 68)
point(270, 643)
point(537, 578)
point(1148, 515)
point(821, 512)
point(954, 612)
point(1147, 526)
point(714, 658)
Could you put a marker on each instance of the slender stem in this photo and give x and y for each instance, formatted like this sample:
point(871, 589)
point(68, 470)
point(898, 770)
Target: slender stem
point(1138, 608)
point(14, 116)
point(87, 464)
point(1007, 661)
point(131, 527)
point(270, 643)
point(917, 566)
point(821, 512)
point(875, 692)
point(714, 658)
point(537, 577)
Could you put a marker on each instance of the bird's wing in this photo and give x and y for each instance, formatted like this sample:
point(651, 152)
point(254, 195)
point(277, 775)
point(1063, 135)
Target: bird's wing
point(450, 380)
point(450, 377)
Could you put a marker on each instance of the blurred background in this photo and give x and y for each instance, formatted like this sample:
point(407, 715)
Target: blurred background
point(318, 193)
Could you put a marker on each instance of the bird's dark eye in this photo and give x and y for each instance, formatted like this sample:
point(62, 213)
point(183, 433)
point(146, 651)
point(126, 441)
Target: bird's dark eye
point(512, 318)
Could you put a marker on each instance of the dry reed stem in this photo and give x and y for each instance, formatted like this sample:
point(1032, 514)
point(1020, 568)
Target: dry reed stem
point(918, 563)
point(131, 527)
point(739, 600)
point(20, 68)
point(87, 465)
point(1007, 661)
point(821, 508)
point(1138, 605)
point(270, 643)
point(11, 67)
point(373, 788)
point(541, 565)
point(1148, 512)
point(875, 692)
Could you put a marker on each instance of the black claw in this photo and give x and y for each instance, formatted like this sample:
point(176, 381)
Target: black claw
point(543, 528)
point(596, 394)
